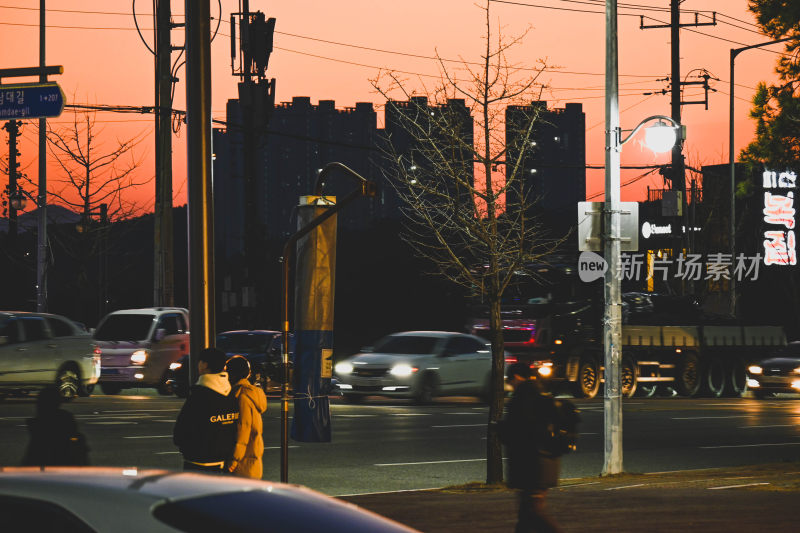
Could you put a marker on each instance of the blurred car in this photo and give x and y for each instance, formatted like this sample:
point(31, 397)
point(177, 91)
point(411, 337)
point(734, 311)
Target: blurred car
point(137, 347)
point(262, 348)
point(122, 500)
point(419, 365)
point(41, 349)
point(778, 373)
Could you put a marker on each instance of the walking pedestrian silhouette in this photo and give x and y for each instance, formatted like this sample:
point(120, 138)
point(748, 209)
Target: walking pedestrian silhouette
point(54, 436)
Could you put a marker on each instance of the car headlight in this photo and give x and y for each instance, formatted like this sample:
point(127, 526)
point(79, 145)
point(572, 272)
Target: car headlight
point(343, 368)
point(139, 357)
point(545, 371)
point(402, 370)
point(796, 370)
point(175, 366)
point(755, 369)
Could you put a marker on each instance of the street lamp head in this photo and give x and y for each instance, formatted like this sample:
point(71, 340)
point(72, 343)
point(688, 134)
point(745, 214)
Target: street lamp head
point(17, 200)
point(660, 137)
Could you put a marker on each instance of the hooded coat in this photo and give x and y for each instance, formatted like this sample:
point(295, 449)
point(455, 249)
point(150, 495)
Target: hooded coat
point(249, 448)
point(206, 425)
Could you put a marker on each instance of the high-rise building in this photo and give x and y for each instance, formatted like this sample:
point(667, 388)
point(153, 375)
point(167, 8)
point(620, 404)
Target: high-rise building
point(300, 140)
point(426, 138)
point(553, 177)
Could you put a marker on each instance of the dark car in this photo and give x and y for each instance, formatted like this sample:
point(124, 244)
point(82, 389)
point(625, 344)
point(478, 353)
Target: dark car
point(778, 373)
point(263, 348)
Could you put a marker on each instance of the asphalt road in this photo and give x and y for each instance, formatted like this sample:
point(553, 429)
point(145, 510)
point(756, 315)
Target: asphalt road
point(394, 446)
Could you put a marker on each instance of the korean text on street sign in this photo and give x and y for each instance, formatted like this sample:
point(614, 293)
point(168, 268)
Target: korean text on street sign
point(30, 100)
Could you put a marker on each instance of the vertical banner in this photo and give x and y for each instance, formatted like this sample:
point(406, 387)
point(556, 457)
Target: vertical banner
point(314, 292)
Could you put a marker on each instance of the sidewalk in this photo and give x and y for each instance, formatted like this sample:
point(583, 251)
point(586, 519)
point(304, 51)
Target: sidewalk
point(751, 498)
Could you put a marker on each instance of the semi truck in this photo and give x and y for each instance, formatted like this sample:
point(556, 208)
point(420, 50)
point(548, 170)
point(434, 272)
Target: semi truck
point(668, 343)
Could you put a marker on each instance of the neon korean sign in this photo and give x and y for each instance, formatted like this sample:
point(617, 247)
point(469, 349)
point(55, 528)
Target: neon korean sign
point(779, 214)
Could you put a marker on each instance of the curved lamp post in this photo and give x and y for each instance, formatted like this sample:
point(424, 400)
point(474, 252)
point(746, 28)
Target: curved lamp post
point(659, 137)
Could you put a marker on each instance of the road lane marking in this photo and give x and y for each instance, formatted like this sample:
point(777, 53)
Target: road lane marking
point(737, 486)
point(773, 426)
point(138, 410)
point(578, 484)
point(110, 423)
point(166, 453)
point(277, 447)
point(461, 426)
point(708, 417)
point(354, 416)
point(750, 445)
point(431, 462)
point(479, 414)
point(149, 437)
point(382, 492)
point(411, 414)
point(627, 486)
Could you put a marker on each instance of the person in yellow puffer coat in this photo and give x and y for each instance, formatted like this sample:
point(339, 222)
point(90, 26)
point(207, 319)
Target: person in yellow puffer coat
point(249, 448)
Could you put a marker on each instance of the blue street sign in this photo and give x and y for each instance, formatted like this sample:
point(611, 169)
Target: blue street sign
point(30, 100)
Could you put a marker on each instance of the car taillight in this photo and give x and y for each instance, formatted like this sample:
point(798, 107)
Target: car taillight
point(510, 360)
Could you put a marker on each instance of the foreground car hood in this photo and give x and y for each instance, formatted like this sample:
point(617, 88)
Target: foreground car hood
point(385, 359)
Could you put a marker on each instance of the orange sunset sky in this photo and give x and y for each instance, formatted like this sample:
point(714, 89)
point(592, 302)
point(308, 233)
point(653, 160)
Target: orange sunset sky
point(330, 49)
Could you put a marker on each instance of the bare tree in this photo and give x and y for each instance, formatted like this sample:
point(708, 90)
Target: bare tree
point(92, 176)
point(454, 169)
point(96, 179)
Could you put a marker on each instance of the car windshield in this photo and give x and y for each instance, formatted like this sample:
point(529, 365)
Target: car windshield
point(243, 342)
point(127, 327)
point(406, 344)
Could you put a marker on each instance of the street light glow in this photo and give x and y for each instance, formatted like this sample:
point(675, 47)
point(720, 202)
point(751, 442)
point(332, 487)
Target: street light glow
point(660, 137)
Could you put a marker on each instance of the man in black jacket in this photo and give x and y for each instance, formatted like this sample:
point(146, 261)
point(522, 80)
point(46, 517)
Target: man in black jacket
point(524, 431)
point(205, 431)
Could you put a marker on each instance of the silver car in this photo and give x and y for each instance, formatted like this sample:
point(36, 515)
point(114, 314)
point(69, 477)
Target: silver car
point(419, 365)
point(129, 500)
point(41, 349)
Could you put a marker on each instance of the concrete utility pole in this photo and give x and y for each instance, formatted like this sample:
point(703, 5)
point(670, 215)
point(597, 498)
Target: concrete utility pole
point(163, 264)
point(612, 319)
point(202, 311)
point(678, 175)
point(41, 202)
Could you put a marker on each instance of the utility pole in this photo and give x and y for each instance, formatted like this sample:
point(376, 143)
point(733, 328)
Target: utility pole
point(256, 99)
point(163, 264)
point(41, 202)
point(678, 176)
point(12, 127)
point(202, 309)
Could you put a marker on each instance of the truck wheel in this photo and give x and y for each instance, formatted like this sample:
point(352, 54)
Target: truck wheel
point(715, 378)
point(737, 378)
point(647, 390)
point(687, 381)
point(628, 377)
point(588, 379)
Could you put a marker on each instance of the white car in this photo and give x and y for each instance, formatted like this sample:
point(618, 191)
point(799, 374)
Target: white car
point(419, 365)
point(41, 349)
point(128, 500)
point(137, 347)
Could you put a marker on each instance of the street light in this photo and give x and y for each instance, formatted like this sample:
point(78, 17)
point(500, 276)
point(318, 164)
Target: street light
point(732, 223)
point(18, 198)
point(612, 317)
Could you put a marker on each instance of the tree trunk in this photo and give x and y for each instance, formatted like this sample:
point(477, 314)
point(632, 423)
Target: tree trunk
point(494, 451)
